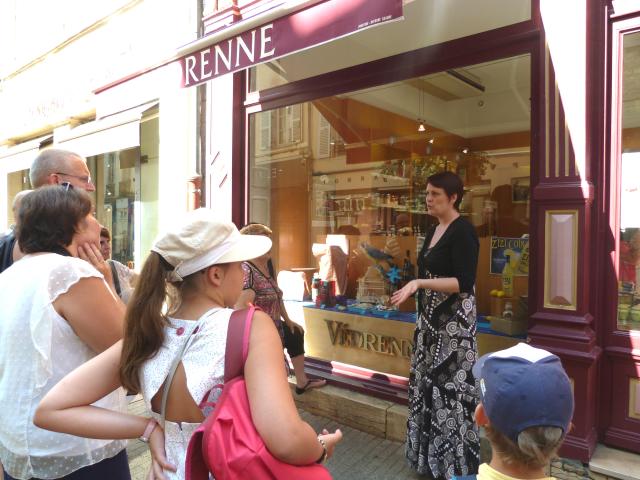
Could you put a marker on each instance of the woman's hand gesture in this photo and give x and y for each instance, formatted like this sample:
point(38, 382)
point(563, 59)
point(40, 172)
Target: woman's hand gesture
point(330, 440)
point(159, 462)
point(90, 252)
point(405, 292)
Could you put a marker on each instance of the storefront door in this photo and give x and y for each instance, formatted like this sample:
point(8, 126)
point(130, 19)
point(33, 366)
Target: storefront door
point(621, 375)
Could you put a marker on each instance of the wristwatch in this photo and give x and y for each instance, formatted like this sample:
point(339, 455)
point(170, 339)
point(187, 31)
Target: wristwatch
point(323, 457)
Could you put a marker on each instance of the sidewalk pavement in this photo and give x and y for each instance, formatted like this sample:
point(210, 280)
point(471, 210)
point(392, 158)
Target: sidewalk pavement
point(359, 456)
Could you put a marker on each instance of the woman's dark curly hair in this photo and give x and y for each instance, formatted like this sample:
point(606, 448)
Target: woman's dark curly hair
point(49, 217)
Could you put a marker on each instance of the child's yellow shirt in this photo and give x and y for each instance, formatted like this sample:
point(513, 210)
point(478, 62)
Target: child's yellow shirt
point(487, 473)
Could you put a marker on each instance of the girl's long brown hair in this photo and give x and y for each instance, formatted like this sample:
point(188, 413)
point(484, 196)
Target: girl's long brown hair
point(144, 320)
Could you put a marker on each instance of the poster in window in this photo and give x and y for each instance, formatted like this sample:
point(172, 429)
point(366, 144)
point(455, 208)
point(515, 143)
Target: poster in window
point(517, 249)
point(520, 189)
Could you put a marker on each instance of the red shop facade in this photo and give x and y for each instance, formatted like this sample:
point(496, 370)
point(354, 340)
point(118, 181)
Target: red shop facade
point(322, 119)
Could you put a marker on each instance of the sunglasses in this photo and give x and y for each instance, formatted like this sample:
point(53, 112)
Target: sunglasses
point(83, 178)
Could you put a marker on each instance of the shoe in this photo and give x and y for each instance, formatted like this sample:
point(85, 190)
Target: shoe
point(311, 383)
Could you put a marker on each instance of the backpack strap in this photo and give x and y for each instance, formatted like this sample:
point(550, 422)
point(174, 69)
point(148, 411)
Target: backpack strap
point(114, 274)
point(237, 347)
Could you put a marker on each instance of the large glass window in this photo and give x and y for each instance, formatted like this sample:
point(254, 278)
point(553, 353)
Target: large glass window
point(350, 172)
point(629, 248)
point(126, 196)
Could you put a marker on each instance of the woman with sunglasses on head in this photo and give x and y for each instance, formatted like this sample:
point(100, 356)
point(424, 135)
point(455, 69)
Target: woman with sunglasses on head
point(194, 271)
point(57, 313)
point(442, 439)
point(261, 289)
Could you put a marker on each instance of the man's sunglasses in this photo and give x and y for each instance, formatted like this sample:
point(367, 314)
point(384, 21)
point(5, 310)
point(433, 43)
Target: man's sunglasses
point(83, 178)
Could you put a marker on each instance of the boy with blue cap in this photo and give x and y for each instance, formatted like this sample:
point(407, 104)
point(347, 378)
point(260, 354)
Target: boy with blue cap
point(526, 406)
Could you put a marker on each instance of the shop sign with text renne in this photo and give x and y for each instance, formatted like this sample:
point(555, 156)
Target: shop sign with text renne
point(313, 26)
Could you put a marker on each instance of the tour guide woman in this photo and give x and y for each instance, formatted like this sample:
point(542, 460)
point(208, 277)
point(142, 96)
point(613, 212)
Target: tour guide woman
point(442, 440)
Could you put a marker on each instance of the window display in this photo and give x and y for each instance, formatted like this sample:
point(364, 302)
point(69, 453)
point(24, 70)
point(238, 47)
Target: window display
point(341, 181)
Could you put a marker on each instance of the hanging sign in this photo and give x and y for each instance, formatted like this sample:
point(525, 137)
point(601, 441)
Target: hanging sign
point(307, 28)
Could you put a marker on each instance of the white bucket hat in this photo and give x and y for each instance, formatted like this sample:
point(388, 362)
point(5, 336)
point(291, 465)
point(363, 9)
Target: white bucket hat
point(202, 239)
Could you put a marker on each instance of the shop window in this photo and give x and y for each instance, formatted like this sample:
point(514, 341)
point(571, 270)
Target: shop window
point(629, 221)
point(429, 21)
point(126, 195)
point(354, 184)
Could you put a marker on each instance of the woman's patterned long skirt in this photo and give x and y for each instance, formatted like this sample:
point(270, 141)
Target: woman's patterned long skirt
point(442, 438)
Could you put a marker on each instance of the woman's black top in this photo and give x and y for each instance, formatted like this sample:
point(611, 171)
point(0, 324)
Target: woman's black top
point(455, 254)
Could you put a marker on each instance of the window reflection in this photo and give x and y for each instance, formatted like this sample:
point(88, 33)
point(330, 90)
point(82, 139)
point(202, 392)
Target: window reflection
point(349, 170)
point(629, 246)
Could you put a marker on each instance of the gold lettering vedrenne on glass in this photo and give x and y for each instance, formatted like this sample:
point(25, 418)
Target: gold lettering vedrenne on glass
point(341, 334)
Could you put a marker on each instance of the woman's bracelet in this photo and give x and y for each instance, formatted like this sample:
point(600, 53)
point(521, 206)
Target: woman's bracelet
point(151, 426)
point(323, 457)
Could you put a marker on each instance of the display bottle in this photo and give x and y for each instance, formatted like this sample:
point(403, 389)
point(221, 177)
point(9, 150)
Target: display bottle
point(507, 277)
point(315, 286)
point(508, 311)
point(524, 256)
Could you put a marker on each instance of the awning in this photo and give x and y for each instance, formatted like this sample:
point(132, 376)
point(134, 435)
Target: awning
point(236, 48)
point(109, 134)
point(20, 157)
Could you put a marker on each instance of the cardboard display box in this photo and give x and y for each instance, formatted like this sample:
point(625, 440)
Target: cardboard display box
point(510, 327)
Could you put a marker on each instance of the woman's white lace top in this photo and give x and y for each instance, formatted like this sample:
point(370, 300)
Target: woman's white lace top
point(125, 277)
point(203, 363)
point(37, 349)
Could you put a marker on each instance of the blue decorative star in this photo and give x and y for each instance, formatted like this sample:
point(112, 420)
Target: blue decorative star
point(393, 274)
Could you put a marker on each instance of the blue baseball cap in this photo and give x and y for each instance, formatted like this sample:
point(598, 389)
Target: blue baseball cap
point(523, 387)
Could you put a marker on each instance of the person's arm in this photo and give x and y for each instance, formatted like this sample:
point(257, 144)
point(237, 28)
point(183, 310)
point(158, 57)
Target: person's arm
point(446, 285)
point(67, 408)
point(291, 325)
point(94, 313)
point(274, 412)
point(464, 255)
point(464, 262)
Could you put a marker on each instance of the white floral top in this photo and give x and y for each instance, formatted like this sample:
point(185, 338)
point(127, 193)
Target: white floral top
point(203, 363)
point(37, 349)
point(125, 277)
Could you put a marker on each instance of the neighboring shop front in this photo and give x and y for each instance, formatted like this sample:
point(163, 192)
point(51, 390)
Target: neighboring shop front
point(116, 128)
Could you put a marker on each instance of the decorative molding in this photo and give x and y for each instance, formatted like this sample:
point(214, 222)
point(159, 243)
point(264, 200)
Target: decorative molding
point(553, 257)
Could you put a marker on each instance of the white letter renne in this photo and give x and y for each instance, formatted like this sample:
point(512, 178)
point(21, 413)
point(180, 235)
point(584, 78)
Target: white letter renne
point(220, 54)
point(189, 65)
point(249, 53)
point(203, 63)
point(264, 39)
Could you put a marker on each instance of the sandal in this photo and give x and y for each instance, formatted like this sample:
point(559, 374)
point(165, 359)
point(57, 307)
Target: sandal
point(311, 383)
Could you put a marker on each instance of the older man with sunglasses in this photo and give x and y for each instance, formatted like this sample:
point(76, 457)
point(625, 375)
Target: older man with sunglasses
point(52, 166)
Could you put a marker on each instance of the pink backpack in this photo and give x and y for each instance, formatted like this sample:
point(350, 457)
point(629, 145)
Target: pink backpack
point(227, 444)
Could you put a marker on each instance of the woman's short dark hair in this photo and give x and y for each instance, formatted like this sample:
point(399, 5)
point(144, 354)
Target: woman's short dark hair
point(450, 183)
point(49, 217)
point(104, 232)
